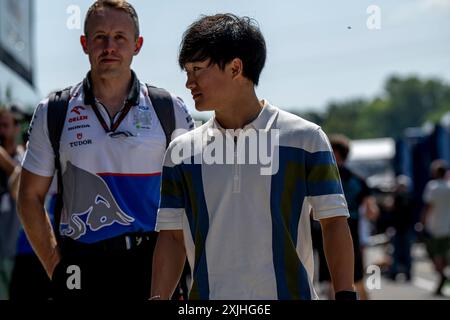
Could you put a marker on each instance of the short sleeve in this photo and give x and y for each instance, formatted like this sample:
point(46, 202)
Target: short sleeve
point(323, 184)
point(172, 202)
point(39, 156)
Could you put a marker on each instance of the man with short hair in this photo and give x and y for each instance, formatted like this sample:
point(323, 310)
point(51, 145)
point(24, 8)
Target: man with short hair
point(111, 150)
point(244, 224)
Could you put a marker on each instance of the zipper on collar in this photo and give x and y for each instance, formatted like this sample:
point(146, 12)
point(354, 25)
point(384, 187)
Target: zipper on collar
point(236, 170)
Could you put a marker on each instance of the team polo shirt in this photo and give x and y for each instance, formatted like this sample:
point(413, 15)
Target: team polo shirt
point(111, 180)
point(247, 235)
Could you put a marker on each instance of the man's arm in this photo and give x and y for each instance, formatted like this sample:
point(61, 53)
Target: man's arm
point(36, 223)
point(371, 209)
point(12, 169)
point(168, 262)
point(338, 247)
point(425, 214)
point(13, 182)
point(7, 163)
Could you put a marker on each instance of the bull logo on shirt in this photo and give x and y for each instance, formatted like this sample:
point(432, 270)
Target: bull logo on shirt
point(89, 203)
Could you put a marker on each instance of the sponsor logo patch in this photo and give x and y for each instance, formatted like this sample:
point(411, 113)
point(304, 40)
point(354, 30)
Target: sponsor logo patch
point(77, 109)
point(143, 108)
point(79, 118)
point(80, 143)
point(82, 126)
point(142, 118)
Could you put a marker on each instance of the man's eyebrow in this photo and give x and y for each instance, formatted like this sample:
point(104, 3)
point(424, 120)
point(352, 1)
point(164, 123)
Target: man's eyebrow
point(98, 31)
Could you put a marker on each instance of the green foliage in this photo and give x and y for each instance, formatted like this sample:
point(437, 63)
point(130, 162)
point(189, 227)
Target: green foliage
point(406, 102)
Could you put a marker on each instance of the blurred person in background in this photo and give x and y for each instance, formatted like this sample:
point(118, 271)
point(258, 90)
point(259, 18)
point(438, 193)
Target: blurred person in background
point(29, 281)
point(436, 219)
point(402, 221)
point(10, 156)
point(359, 199)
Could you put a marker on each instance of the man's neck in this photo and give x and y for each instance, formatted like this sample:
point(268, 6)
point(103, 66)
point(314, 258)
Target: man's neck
point(244, 110)
point(111, 92)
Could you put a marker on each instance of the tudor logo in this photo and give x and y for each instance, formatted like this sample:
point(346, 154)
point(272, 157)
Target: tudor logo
point(79, 136)
point(80, 143)
point(77, 109)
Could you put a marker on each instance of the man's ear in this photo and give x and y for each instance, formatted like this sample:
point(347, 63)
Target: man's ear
point(138, 45)
point(83, 41)
point(236, 67)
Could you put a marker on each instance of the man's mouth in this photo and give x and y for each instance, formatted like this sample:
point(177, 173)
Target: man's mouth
point(196, 95)
point(109, 60)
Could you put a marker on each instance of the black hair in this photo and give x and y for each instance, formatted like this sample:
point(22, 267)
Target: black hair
point(439, 169)
point(222, 38)
point(340, 144)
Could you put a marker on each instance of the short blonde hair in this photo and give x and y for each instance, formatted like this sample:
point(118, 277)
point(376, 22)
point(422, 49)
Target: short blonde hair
point(113, 4)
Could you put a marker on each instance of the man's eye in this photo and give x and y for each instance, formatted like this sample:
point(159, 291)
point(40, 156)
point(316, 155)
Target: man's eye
point(196, 68)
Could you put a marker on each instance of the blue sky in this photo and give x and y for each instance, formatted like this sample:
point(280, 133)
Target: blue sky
point(313, 55)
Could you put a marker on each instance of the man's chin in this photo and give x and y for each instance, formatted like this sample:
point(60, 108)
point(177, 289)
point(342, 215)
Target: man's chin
point(203, 107)
point(108, 72)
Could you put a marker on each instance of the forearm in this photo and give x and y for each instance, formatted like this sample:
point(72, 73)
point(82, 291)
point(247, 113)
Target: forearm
point(338, 247)
point(425, 213)
point(372, 211)
point(168, 263)
point(13, 182)
point(7, 164)
point(39, 231)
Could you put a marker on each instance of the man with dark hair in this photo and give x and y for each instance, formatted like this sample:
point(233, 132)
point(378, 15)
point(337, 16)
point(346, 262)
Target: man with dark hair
point(436, 219)
point(244, 224)
point(358, 196)
point(111, 149)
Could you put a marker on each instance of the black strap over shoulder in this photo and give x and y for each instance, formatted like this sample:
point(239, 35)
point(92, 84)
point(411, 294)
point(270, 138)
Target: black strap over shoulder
point(58, 104)
point(163, 105)
point(56, 116)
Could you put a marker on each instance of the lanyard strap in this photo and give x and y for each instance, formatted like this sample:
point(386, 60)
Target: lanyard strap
point(116, 124)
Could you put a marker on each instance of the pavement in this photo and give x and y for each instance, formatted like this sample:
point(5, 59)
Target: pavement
point(423, 282)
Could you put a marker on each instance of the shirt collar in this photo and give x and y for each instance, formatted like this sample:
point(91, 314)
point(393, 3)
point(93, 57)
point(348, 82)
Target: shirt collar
point(133, 94)
point(264, 120)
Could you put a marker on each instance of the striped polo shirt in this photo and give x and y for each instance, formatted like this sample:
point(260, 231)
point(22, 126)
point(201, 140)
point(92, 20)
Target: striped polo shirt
point(247, 234)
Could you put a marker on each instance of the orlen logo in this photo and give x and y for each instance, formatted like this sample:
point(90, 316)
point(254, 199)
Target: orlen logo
point(77, 109)
point(79, 118)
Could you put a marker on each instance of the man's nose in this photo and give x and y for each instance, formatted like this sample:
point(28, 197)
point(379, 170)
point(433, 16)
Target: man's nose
point(190, 83)
point(110, 45)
